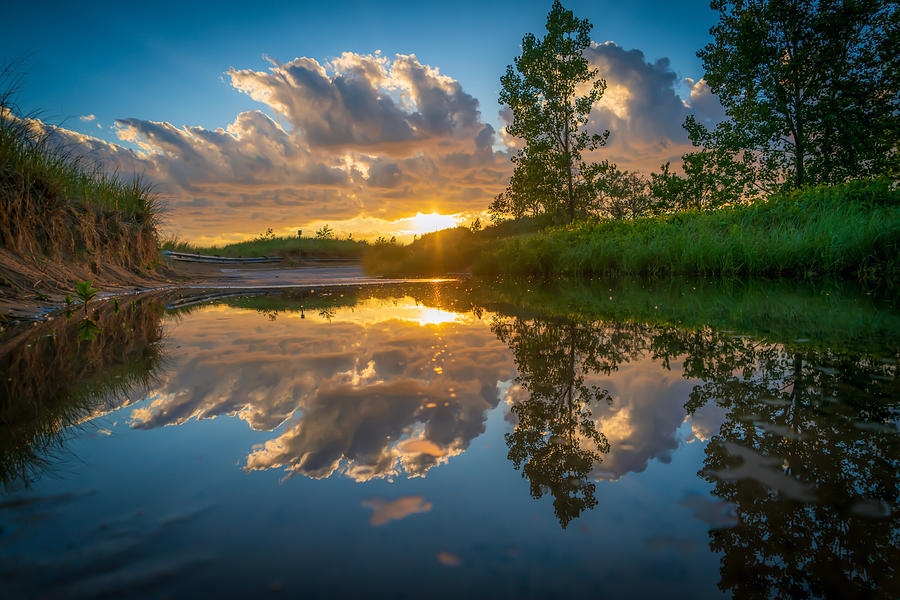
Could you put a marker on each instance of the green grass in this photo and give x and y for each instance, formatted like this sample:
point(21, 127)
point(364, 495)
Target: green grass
point(848, 230)
point(278, 246)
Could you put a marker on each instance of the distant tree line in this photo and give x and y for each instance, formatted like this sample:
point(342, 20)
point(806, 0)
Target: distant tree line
point(810, 88)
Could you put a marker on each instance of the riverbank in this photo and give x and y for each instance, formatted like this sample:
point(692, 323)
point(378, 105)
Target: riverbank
point(847, 231)
point(65, 220)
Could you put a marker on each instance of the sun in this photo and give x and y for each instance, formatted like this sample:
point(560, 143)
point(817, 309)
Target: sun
point(423, 223)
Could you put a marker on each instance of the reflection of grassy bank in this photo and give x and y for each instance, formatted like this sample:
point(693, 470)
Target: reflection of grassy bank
point(829, 314)
point(788, 313)
point(848, 230)
point(53, 380)
point(286, 247)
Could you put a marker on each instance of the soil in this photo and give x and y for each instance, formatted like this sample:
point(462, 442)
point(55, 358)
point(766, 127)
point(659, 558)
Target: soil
point(30, 288)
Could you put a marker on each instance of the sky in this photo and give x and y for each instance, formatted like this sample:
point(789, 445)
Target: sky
point(362, 115)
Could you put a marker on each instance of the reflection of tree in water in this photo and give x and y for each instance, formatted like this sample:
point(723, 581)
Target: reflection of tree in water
point(555, 441)
point(807, 454)
point(816, 427)
point(53, 379)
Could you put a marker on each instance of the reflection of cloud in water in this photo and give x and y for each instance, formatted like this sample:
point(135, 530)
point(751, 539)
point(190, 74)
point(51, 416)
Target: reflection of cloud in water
point(385, 511)
point(705, 422)
point(449, 559)
point(715, 513)
point(768, 471)
point(385, 387)
point(642, 422)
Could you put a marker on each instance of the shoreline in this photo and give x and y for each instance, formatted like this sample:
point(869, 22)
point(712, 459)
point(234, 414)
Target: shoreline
point(42, 302)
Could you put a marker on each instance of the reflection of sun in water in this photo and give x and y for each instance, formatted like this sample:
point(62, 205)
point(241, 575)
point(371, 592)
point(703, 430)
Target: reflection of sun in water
point(423, 223)
point(435, 316)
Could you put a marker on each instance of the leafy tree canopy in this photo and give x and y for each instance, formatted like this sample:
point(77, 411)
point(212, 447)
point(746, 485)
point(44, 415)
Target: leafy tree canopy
point(811, 87)
point(550, 92)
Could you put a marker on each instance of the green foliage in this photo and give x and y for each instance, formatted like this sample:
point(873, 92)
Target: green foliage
point(541, 92)
point(264, 237)
point(850, 230)
point(811, 88)
point(623, 195)
point(445, 251)
point(85, 292)
point(325, 233)
point(713, 177)
point(88, 330)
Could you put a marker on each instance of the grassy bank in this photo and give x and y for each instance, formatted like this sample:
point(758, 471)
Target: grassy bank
point(849, 230)
point(59, 206)
point(278, 246)
point(63, 218)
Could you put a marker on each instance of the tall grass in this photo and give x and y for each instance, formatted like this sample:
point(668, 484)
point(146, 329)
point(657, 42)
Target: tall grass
point(58, 204)
point(851, 229)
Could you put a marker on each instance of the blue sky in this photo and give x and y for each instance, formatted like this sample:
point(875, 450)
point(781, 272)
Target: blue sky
point(164, 60)
point(168, 62)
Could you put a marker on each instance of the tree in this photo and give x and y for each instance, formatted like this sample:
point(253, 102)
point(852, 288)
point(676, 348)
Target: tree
point(623, 195)
point(542, 91)
point(811, 87)
point(534, 188)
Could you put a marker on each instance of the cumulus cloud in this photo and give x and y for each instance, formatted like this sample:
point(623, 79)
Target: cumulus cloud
point(703, 103)
point(366, 102)
point(642, 109)
point(363, 135)
point(366, 136)
point(253, 152)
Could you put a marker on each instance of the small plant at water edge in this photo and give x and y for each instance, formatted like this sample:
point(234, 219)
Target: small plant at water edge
point(85, 292)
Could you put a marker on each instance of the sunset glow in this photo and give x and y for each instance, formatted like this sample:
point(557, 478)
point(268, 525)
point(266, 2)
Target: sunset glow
point(429, 223)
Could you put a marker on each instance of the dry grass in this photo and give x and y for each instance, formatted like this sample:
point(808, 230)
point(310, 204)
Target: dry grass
point(58, 206)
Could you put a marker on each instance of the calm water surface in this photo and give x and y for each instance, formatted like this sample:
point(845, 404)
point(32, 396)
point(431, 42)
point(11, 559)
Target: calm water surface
point(455, 440)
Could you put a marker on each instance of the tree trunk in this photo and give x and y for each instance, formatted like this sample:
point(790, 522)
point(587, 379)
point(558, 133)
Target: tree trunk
point(796, 126)
point(569, 175)
point(798, 163)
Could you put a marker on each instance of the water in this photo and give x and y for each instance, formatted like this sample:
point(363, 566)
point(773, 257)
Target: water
point(444, 439)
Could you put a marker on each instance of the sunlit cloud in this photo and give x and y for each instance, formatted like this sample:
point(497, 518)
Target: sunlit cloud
point(355, 393)
point(373, 145)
